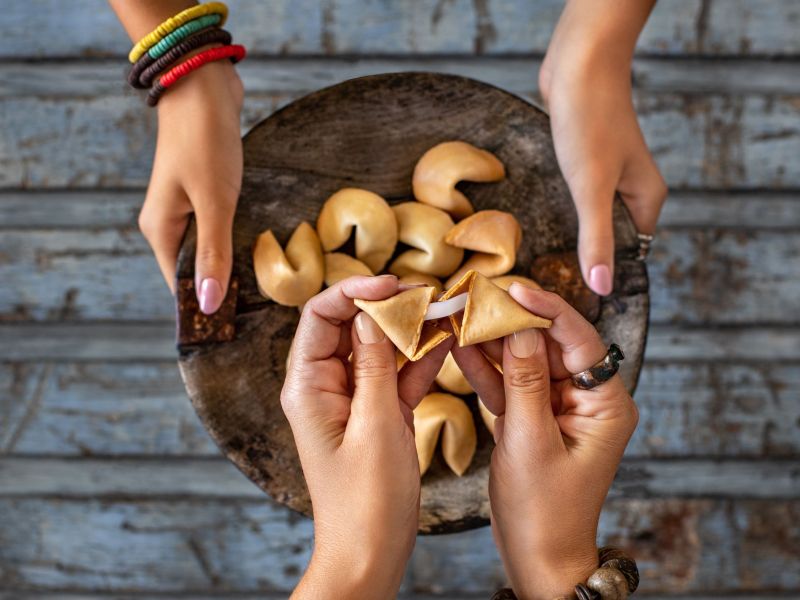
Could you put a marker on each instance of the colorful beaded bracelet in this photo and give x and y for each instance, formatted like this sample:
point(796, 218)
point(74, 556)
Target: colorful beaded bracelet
point(171, 24)
point(181, 33)
point(143, 72)
point(235, 53)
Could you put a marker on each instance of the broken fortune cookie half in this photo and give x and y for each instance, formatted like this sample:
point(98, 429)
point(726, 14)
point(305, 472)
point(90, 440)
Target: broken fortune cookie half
point(402, 319)
point(450, 416)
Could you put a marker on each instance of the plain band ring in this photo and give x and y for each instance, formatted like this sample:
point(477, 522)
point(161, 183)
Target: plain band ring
point(600, 372)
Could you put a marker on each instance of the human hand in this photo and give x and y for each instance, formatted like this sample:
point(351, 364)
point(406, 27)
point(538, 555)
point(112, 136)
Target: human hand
point(558, 447)
point(585, 82)
point(197, 169)
point(353, 427)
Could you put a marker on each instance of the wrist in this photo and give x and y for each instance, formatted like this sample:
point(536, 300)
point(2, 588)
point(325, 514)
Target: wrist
point(211, 84)
point(550, 572)
point(552, 575)
point(339, 575)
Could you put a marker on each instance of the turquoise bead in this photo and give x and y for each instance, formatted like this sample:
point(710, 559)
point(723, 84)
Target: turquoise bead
point(181, 33)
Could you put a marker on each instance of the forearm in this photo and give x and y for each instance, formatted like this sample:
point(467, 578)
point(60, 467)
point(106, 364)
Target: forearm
point(140, 17)
point(614, 25)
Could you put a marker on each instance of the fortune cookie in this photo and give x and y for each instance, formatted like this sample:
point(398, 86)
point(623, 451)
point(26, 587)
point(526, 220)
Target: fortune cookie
point(450, 416)
point(402, 319)
point(494, 236)
point(289, 278)
point(416, 278)
point(451, 378)
point(423, 228)
point(504, 282)
point(490, 311)
point(443, 166)
point(339, 265)
point(375, 223)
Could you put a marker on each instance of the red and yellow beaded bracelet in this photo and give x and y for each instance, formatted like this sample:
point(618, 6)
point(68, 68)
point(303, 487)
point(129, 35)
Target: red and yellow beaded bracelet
point(234, 52)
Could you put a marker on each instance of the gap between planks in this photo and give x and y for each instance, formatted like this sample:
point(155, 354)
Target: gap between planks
point(154, 342)
point(204, 478)
point(81, 79)
point(684, 209)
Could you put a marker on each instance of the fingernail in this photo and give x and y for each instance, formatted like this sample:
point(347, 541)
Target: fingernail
point(524, 343)
point(210, 296)
point(402, 287)
point(600, 280)
point(387, 276)
point(367, 329)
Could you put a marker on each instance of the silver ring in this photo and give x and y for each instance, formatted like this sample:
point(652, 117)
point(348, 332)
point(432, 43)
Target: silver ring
point(601, 371)
point(645, 240)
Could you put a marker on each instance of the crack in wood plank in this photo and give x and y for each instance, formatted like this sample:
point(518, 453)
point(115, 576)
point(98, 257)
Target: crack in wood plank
point(32, 409)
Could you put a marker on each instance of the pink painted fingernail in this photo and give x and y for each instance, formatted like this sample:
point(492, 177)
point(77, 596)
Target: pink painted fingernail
point(600, 280)
point(210, 296)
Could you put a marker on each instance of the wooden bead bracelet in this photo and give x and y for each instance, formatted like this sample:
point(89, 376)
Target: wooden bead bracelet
point(235, 53)
point(173, 23)
point(615, 579)
point(144, 71)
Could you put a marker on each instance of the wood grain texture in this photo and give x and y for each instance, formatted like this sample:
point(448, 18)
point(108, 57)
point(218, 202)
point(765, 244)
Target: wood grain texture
point(293, 76)
point(105, 409)
point(112, 209)
point(83, 209)
point(155, 342)
point(701, 274)
point(682, 547)
point(193, 478)
point(677, 27)
point(141, 409)
point(710, 141)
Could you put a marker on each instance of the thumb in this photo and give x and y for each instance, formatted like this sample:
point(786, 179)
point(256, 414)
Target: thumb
point(374, 370)
point(526, 378)
point(214, 257)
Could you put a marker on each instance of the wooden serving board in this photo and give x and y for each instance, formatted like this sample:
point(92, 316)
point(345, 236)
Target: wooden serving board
point(369, 132)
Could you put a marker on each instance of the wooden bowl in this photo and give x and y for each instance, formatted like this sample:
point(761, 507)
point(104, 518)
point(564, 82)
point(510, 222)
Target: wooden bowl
point(369, 132)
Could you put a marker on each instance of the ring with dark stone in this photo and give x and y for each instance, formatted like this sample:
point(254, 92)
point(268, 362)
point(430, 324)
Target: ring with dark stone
point(601, 371)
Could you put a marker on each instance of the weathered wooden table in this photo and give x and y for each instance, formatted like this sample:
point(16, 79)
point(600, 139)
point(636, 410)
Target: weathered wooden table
point(369, 132)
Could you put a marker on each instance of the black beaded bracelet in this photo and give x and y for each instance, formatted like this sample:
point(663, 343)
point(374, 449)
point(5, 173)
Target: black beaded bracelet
point(615, 579)
point(147, 68)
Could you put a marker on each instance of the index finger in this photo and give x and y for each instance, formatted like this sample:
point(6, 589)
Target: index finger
point(580, 344)
point(318, 333)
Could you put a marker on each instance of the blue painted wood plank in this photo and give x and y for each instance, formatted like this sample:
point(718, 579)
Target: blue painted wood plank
point(703, 275)
point(719, 27)
point(682, 546)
